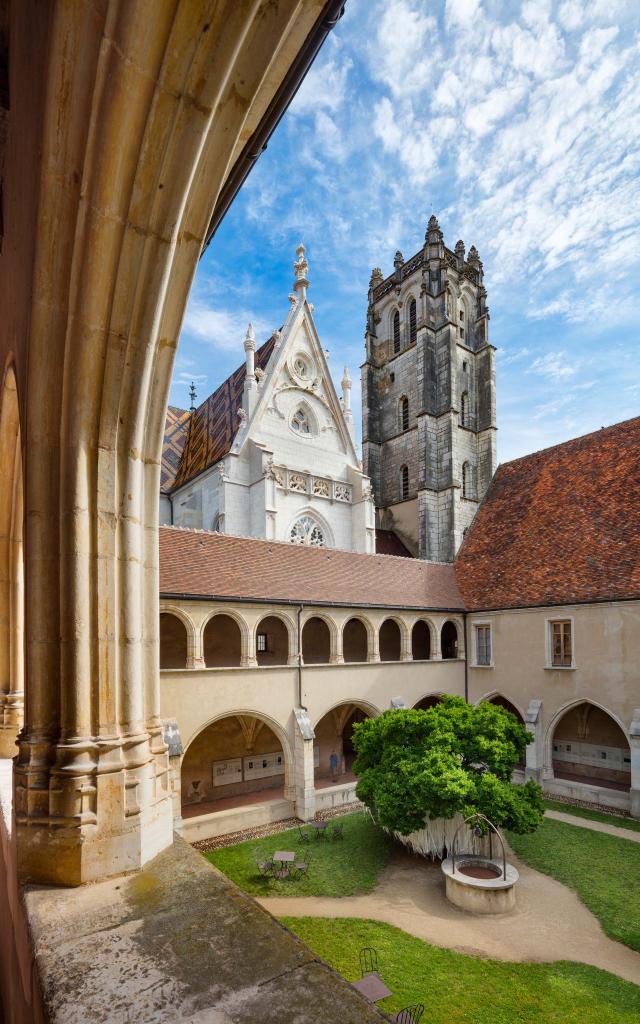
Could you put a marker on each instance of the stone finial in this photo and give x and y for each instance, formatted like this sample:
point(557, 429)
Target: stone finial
point(346, 389)
point(250, 339)
point(300, 269)
point(398, 260)
point(473, 257)
point(376, 277)
point(433, 233)
point(460, 246)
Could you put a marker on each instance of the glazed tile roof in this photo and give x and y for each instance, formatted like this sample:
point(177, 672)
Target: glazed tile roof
point(214, 424)
point(559, 526)
point(201, 564)
point(176, 429)
point(388, 543)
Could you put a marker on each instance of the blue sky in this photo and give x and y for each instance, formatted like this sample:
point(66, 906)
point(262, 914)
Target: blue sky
point(518, 124)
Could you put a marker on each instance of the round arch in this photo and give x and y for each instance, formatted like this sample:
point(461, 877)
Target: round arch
point(236, 650)
point(581, 746)
point(354, 644)
point(175, 639)
point(235, 765)
point(319, 646)
point(451, 639)
point(391, 644)
point(278, 647)
point(418, 644)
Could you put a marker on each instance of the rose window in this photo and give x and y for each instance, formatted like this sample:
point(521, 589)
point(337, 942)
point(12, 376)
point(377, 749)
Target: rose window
point(306, 531)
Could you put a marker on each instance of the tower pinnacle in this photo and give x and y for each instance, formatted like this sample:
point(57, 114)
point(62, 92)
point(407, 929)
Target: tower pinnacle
point(301, 268)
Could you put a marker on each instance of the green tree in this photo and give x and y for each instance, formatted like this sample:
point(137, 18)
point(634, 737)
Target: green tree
point(453, 758)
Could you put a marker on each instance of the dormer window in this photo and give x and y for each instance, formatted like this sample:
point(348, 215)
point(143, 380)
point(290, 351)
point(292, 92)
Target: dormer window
point(300, 422)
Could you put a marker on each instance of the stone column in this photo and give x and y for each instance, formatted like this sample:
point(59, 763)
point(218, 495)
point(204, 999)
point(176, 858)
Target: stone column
point(337, 656)
point(373, 644)
point(125, 192)
point(634, 743)
point(535, 751)
point(436, 654)
point(249, 659)
point(303, 769)
point(406, 653)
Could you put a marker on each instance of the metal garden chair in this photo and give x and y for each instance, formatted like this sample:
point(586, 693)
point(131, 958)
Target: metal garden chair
point(410, 1014)
point(337, 832)
point(368, 961)
point(265, 866)
point(301, 866)
point(305, 835)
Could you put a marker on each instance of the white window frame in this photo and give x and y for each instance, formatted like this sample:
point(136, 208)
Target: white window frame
point(548, 626)
point(486, 624)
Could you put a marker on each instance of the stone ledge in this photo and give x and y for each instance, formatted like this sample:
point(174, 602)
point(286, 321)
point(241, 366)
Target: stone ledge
point(178, 942)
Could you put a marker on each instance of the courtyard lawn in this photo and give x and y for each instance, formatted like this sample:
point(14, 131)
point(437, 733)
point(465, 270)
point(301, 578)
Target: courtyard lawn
point(338, 867)
point(583, 812)
point(460, 989)
point(603, 870)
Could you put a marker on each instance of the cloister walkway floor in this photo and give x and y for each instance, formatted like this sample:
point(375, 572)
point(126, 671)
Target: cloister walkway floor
point(549, 922)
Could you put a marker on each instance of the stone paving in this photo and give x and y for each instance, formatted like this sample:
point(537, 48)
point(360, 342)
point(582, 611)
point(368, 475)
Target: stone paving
point(595, 826)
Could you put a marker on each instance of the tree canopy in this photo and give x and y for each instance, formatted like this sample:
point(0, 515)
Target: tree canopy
point(452, 758)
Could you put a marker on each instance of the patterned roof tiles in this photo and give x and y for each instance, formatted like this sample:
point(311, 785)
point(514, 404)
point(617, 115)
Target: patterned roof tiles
point(214, 424)
point(175, 434)
point(559, 526)
point(196, 563)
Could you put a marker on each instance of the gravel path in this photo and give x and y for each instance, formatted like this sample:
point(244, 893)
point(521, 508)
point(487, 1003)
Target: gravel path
point(595, 826)
point(549, 922)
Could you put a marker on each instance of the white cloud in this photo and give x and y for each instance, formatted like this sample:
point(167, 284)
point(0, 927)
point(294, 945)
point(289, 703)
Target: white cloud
point(554, 365)
point(223, 328)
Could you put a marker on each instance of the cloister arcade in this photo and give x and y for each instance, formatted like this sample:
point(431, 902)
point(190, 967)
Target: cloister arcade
point(230, 638)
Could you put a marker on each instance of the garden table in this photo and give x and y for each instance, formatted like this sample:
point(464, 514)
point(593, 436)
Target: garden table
point(283, 857)
point(320, 827)
point(372, 987)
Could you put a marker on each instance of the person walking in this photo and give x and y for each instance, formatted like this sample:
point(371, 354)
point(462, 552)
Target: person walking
point(333, 764)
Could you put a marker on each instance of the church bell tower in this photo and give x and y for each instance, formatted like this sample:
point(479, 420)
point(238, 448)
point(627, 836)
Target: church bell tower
point(428, 396)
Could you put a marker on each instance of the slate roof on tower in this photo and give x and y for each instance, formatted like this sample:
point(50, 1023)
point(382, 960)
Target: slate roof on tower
point(197, 563)
point(214, 424)
point(558, 527)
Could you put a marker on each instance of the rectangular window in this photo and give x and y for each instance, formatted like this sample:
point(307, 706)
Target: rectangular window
point(561, 645)
point(483, 645)
point(262, 642)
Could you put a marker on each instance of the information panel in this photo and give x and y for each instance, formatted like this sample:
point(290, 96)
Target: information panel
point(226, 772)
point(261, 766)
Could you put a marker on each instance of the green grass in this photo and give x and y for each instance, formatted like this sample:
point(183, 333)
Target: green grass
point(460, 989)
point(338, 867)
point(582, 812)
point(603, 870)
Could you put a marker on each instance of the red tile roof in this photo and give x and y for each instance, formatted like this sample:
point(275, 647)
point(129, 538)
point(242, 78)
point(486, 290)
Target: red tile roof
point(214, 424)
point(176, 429)
point(388, 543)
point(559, 526)
point(202, 564)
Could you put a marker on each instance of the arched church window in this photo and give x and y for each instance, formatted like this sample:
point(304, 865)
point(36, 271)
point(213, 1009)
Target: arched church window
point(464, 409)
point(404, 483)
point(300, 421)
point(396, 331)
point(404, 413)
point(466, 480)
point(413, 322)
point(306, 530)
